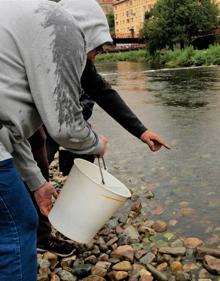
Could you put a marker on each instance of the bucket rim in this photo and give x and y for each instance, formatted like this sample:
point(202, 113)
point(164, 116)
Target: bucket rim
point(103, 186)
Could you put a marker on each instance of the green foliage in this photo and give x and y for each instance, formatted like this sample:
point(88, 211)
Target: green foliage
point(189, 57)
point(136, 55)
point(167, 58)
point(111, 22)
point(178, 22)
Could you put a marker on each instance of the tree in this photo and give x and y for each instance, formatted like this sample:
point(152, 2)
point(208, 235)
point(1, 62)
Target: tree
point(111, 22)
point(178, 22)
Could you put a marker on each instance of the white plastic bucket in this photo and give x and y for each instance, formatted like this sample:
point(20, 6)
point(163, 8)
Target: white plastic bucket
point(85, 204)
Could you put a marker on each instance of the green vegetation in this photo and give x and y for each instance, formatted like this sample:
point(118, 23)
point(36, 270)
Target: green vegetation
point(177, 22)
point(168, 58)
point(189, 57)
point(138, 55)
point(111, 22)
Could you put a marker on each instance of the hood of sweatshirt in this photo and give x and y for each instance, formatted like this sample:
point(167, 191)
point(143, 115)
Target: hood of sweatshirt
point(91, 19)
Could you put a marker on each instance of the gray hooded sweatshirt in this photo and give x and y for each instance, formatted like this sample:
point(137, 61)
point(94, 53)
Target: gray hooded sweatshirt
point(42, 57)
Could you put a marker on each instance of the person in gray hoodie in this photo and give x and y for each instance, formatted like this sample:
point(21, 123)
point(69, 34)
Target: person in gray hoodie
point(42, 56)
point(96, 89)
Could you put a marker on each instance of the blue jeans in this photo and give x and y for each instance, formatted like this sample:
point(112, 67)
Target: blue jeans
point(18, 227)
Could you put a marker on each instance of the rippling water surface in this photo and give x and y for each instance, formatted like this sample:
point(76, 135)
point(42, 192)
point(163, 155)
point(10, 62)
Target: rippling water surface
point(183, 107)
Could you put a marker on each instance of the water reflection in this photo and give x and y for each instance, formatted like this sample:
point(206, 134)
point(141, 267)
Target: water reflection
point(183, 107)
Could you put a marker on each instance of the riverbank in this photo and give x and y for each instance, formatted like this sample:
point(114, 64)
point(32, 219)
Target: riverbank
point(132, 247)
point(176, 58)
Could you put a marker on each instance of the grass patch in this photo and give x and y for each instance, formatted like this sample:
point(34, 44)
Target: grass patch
point(167, 58)
point(135, 55)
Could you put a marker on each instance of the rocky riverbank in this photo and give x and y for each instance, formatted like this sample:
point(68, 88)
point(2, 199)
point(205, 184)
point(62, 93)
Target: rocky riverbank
point(132, 247)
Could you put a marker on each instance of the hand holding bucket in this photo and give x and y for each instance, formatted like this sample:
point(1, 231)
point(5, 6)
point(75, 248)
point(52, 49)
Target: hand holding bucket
point(86, 201)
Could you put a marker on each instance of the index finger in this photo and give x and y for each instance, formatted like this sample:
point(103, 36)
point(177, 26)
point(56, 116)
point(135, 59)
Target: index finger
point(159, 141)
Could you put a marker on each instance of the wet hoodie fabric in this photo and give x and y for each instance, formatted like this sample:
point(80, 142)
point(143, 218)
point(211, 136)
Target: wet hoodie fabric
point(42, 57)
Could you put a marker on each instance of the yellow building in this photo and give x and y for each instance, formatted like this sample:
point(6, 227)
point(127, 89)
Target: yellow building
point(129, 16)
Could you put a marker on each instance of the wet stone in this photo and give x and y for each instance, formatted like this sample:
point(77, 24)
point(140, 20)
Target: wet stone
point(175, 266)
point(212, 264)
point(203, 273)
point(94, 278)
point(104, 257)
point(177, 251)
point(160, 226)
point(137, 267)
point(114, 260)
point(148, 258)
point(193, 242)
point(52, 258)
point(112, 241)
point(146, 278)
point(82, 270)
point(119, 229)
point(54, 277)
point(96, 250)
point(156, 273)
point(136, 207)
point(103, 264)
point(182, 276)
point(112, 223)
point(91, 259)
point(68, 261)
point(162, 266)
point(132, 233)
point(122, 266)
point(125, 251)
point(118, 275)
point(149, 194)
point(99, 271)
point(122, 218)
point(177, 243)
point(66, 276)
point(124, 240)
point(140, 253)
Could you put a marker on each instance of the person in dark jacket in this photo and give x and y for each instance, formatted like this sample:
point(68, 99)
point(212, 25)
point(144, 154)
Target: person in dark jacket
point(95, 90)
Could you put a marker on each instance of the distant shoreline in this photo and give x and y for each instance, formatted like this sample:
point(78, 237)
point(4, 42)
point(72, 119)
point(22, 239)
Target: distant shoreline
point(170, 59)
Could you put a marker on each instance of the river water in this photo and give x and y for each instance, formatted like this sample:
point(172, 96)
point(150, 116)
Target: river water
point(183, 107)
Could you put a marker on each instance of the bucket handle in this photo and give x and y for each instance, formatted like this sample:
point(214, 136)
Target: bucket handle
point(100, 168)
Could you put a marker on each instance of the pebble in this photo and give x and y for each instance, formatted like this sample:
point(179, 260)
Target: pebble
point(104, 264)
point(193, 242)
point(203, 273)
point(140, 253)
point(82, 270)
point(122, 266)
point(146, 278)
point(68, 261)
point(176, 251)
point(136, 207)
point(175, 266)
point(66, 276)
point(156, 273)
point(148, 258)
point(162, 266)
point(132, 233)
point(125, 251)
point(99, 271)
point(93, 278)
point(160, 226)
point(212, 264)
point(118, 275)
